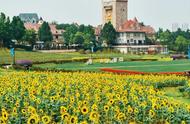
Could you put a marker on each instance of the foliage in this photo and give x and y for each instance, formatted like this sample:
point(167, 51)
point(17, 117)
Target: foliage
point(173, 39)
point(78, 39)
point(44, 32)
point(17, 28)
point(80, 35)
point(30, 37)
point(5, 30)
point(69, 34)
point(182, 43)
point(108, 34)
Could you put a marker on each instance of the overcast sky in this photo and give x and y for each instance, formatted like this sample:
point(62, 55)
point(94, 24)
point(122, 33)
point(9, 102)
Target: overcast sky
point(158, 13)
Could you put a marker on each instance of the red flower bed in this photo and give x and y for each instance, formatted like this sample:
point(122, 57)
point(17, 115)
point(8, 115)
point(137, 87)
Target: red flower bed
point(139, 73)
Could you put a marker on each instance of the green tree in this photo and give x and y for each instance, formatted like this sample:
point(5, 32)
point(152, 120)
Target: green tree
point(17, 28)
point(45, 33)
point(69, 34)
point(82, 35)
point(62, 26)
point(5, 30)
point(108, 34)
point(79, 38)
point(182, 44)
point(30, 37)
point(88, 42)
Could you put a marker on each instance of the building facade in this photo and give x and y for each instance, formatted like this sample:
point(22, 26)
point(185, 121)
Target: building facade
point(131, 34)
point(131, 38)
point(115, 11)
point(57, 34)
point(143, 49)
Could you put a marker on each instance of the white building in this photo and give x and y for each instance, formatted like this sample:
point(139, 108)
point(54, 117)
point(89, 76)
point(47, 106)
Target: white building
point(131, 38)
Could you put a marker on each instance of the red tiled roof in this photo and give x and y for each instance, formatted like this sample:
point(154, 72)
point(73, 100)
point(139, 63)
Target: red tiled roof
point(135, 26)
point(31, 26)
point(36, 27)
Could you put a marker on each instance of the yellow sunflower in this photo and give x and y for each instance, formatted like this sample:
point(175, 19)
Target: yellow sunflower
point(84, 110)
point(111, 102)
point(63, 110)
point(33, 119)
point(151, 113)
point(46, 119)
point(106, 108)
point(23, 111)
point(73, 120)
point(5, 115)
point(94, 116)
point(65, 117)
point(2, 121)
point(84, 122)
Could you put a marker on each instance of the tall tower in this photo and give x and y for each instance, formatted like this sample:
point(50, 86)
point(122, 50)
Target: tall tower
point(115, 11)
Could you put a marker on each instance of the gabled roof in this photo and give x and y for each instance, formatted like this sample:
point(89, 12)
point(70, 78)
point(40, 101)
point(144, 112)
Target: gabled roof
point(135, 26)
point(36, 27)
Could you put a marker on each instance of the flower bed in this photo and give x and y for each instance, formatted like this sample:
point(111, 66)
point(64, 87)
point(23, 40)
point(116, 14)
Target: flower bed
point(140, 73)
point(81, 97)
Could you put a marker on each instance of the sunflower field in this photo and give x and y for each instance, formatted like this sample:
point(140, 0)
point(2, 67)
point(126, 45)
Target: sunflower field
point(83, 97)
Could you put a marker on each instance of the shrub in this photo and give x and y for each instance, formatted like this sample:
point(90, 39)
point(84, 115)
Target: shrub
point(24, 62)
point(81, 51)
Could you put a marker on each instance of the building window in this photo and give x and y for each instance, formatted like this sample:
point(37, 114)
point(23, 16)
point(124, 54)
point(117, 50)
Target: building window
point(140, 42)
point(131, 41)
point(56, 36)
point(135, 42)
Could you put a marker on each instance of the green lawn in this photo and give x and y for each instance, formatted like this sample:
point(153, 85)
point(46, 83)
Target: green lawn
point(40, 57)
point(155, 66)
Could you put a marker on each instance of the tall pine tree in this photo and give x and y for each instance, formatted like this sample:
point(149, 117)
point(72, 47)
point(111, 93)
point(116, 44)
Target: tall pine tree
point(17, 28)
point(44, 32)
point(108, 34)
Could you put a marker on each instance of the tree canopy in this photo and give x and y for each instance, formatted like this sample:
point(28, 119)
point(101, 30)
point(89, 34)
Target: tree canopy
point(5, 30)
point(80, 35)
point(108, 34)
point(11, 30)
point(176, 41)
point(30, 37)
point(44, 32)
point(17, 28)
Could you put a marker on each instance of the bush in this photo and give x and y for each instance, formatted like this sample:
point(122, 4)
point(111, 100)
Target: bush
point(24, 62)
point(81, 51)
point(27, 48)
point(87, 52)
point(99, 51)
